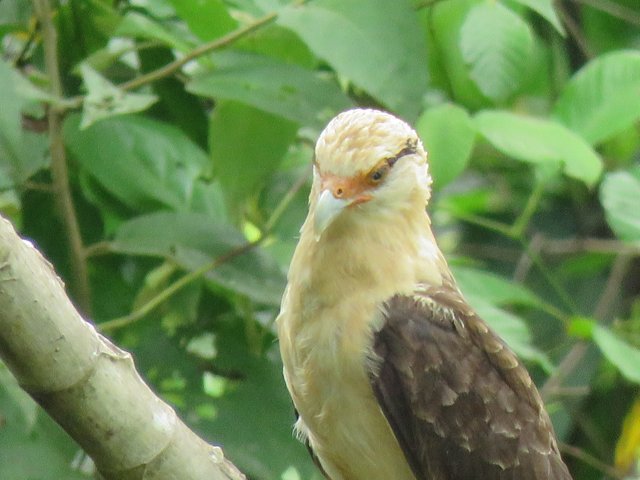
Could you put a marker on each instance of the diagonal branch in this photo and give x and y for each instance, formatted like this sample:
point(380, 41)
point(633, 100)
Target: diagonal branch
point(216, 44)
point(87, 384)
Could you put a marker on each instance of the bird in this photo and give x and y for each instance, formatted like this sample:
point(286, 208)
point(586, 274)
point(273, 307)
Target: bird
point(391, 372)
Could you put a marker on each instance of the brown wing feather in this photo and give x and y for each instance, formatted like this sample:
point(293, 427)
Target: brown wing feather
point(459, 402)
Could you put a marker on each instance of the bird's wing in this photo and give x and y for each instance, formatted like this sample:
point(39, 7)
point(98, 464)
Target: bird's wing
point(457, 399)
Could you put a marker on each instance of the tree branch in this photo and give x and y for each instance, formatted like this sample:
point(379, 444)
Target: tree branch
point(87, 384)
point(216, 44)
point(62, 191)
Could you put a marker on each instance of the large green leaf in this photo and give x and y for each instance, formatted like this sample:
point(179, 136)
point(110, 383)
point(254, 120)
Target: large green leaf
point(603, 98)
point(620, 196)
point(144, 163)
point(137, 25)
point(449, 71)
point(511, 328)
point(247, 145)
point(279, 88)
point(487, 292)
point(493, 288)
point(496, 44)
point(540, 141)
point(22, 153)
point(618, 352)
point(448, 135)
point(193, 240)
point(360, 39)
point(276, 41)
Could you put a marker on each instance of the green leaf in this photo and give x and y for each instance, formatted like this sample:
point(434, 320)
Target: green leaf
point(546, 10)
point(104, 100)
point(278, 42)
point(360, 40)
point(247, 145)
point(448, 135)
point(192, 240)
point(540, 141)
point(511, 328)
point(146, 164)
point(136, 25)
point(32, 445)
point(496, 44)
point(486, 291)
point(603, 98)
point(449, 71)
point(493, 288)
point(276, 87)
point(581, 327)
point(208, 20)
point(22, 153)
point(625, 357)
point(620, 197)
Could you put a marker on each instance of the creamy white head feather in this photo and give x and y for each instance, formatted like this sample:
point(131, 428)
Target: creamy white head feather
point(356, 140)
point(355, 144)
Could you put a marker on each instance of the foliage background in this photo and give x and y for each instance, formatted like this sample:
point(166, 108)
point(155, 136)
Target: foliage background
point(158, 154)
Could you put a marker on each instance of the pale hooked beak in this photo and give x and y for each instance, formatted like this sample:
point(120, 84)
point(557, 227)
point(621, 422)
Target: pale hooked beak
point(327, 209)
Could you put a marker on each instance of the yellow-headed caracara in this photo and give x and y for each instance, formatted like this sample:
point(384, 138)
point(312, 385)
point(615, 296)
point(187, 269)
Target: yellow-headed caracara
point(393, 375)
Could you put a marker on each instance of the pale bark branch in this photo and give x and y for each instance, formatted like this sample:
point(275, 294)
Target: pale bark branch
point(87, 384)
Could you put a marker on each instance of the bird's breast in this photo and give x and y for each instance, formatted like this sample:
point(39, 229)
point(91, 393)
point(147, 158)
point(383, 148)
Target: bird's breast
point(325, 356)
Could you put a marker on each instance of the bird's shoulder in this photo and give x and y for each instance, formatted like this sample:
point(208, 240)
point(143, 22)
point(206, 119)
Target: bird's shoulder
point(457, 398)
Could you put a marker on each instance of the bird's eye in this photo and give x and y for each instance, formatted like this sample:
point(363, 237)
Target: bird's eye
point(378, 174)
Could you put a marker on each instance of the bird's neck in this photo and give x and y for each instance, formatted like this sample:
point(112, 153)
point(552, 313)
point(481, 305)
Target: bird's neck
point(375, 257)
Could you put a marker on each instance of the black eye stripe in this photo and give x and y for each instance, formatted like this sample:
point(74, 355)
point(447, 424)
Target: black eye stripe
point(409, 149)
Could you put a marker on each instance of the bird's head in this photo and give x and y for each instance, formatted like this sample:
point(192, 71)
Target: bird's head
point(367, 162)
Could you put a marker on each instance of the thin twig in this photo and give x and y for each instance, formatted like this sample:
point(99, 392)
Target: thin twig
point(177, 64)
point(601, 313)
point(566, 366)
point(612, 288)
point(285, 201)
point(614, 9)
point(574, 29)
point(582, 392)
point(525, 262)
point(597, 245)
point(96, 249)
point(590, 460)
point(175, 287)
point(487, 223)
point(551, 280)
point(522, 222)
point(59, 172)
